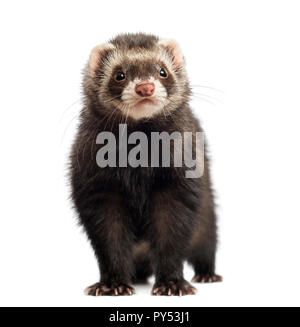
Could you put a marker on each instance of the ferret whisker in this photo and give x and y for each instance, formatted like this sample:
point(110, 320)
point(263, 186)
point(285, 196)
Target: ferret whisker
point(113, 118)
point(203, 99)
point(207, 96)
point(68, 126)
point(111, 99)
point(69, 107)
point(207, 87)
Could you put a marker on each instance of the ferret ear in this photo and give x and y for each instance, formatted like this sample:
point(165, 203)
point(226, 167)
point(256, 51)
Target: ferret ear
point(173, 48)
point(97, 55)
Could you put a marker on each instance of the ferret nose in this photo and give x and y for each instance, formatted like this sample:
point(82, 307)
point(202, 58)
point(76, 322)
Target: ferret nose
point(145, 89)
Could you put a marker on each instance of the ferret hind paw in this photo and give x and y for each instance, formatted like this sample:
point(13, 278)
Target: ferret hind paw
point(207, 278)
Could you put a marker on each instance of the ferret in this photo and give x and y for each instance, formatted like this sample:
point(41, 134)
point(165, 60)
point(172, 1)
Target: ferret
point(141, 221)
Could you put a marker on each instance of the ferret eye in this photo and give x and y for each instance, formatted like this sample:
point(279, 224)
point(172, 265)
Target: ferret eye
point(120, 76)
point(163, 73)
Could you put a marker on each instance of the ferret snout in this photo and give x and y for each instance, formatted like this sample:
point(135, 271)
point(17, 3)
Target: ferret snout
point(145, 89)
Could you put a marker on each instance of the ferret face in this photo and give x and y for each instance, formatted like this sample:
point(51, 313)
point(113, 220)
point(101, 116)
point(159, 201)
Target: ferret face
point(137, 78)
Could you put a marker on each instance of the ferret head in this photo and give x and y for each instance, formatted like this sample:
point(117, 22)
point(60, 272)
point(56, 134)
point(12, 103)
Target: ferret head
point(137, 74)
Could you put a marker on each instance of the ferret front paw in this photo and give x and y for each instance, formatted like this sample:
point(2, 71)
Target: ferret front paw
point(181, 287)
point(100, 289)
point(207, 278)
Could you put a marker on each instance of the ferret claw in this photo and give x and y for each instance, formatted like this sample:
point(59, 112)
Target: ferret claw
point(87, 291)
point(155, 290)
point(171, 288)
point(206, 278)
point(192, 291)
point(100, 289)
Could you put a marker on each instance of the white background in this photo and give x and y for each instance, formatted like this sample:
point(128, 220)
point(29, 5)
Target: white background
point(248, 50)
